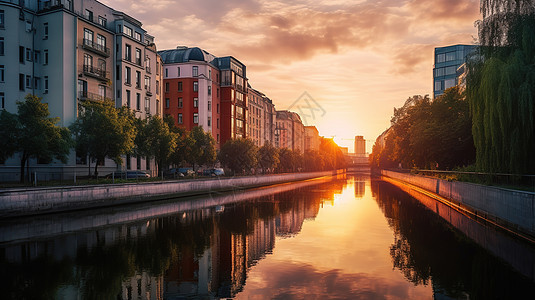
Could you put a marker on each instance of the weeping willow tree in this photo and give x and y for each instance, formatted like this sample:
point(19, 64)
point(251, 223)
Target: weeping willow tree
point(501, 87)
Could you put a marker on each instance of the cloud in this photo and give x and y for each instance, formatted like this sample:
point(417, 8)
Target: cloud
point(407, 58)
point(445, 10)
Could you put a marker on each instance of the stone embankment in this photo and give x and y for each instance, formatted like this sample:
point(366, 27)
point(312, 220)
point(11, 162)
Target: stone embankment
point(18, 202)
point(511, 210)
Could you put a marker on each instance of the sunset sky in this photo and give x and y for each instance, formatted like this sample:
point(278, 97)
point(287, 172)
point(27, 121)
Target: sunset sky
point(356, 59)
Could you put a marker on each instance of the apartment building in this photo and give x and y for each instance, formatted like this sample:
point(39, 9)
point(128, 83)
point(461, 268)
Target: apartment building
point(289, 131)
point(255, 119)
point(192, 89)
point(67, 52)
point(312, 138)
point(447, 60)
point(233, 98)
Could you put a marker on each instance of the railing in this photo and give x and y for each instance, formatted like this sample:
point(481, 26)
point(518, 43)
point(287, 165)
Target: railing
point(99, 49)
point(513, 181)
point(148, 91)
point(95, 72)
point(87, 96)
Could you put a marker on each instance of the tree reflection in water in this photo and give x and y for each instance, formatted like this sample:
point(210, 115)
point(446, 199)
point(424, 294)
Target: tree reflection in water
point(428, 249)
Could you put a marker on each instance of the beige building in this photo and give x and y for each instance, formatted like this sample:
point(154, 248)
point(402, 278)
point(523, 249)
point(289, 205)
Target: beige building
point(312, 138)
point(289, 131)
point(360, 146)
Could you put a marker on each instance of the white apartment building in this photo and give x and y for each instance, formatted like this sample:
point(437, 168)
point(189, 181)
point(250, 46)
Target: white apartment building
point(66, 52)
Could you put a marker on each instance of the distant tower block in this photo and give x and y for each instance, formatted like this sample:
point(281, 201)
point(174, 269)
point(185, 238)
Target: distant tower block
point(360, 146)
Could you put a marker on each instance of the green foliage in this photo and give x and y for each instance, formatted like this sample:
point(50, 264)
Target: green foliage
point(203, 150)
point(102, 130)
point(33, 134)
point(268, 157)
point(501, 88)
point(155, 139)
point(428, 134)
point(313, 161)
point(239, 155)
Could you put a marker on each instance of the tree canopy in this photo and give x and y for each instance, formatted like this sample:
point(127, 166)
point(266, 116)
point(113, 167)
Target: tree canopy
point(239, 155)
point(103, 131)
point(33, 134)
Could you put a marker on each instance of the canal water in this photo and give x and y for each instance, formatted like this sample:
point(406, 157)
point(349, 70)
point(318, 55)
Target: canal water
point(349, 237)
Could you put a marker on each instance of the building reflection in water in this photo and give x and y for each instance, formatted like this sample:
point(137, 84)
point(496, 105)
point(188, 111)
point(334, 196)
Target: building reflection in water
point(202, 253)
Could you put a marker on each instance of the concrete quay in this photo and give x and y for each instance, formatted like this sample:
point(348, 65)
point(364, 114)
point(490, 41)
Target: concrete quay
point(20, 202)
point(508, 209)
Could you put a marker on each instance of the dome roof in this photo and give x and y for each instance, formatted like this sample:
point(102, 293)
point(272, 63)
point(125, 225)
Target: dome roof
point(183, 54)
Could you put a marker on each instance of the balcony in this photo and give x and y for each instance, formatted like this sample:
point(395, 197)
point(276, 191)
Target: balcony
point(96, 73)
point(148, 91)
point(96, 48)
point(87, 96)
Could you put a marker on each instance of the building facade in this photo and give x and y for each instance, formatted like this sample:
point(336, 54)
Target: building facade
point(312, 138)
point(67, 52)
point(233, 98)
point(447, 61)
point(255, 121)
point(192, 89)
point(360, 146)
point(289, 131)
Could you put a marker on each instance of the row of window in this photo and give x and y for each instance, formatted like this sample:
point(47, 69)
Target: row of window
point(441, 85)
point(194, 72)
point(26, 82)
point(448, 56)
point(88, 14)
point(138, 101)
point(195, 103)
point(128, 80)
point(195, 88)
point(26, 54)
point(180, 120)
point(451, 70)
point(128, 54)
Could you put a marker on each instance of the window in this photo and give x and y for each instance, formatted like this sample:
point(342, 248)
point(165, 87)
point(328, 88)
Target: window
point(138, 162)
point(195, 118)
point(195, 71)
point(449, 83)
point(167, 87)
point(166, 102)
point(147, 64)
point(88, 36)
point(21, 54)
point(209, 105)
point(180, 86)
point(128, 103)
point(2, 21)
point(217, 107)
point(157, 106)
point(178, 70)
point(441, 58)
point(37, 83)
point(138, 101)
point(179, 102)
point(45, 62)
point(128, 52)
point(450, 56)
point(46, 85)
point(1, 46)
point(102, 21)
point(209, 90)
point(127, 76)
point(438, 85)
point(195, 86)
point(2, 100)
point(2, 74)
point(138, 79)
point(128, 162)
point(218, 125)
point(45, 31)
point(179, 118)
point(209, 121)
point(21, 82)
point(102, 92)
point(157, 68)
point(452, 70)
point(88, 60)
point(88, 15)
point(28, 54)
point(166, 73)
point(147, 83)
point(210, 74)
point(157, 87)
point(102, 65)
point(137, 36)
point(138, 56)
point(147, 163)
point(147, 104)
point(82, 88)
point(36, 56)
point(101, 43)
point(195, 102)
point(127, 30)
point(439, 72)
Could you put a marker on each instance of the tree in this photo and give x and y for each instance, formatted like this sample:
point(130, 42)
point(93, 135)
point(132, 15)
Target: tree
point(268, 157)
point(501, 87)
point(33, 134)
point(102, 130)
point(239, 155)
point(313, 161)
point(203, 148)
point(155, 139)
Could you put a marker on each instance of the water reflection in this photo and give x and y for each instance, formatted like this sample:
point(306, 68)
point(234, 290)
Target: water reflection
point(426, 250)
point(337, 238)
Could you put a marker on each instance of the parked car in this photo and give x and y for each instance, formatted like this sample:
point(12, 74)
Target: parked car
point(178, 172)
point(128, 174)
point(218, 171)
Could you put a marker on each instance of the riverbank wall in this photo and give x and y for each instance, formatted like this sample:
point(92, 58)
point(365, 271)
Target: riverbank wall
point(511, 210)
point(20, 202)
